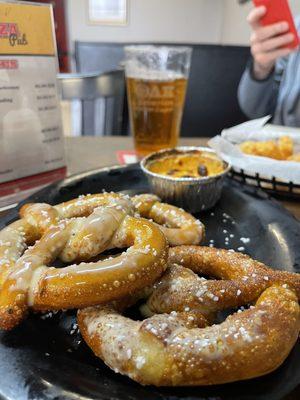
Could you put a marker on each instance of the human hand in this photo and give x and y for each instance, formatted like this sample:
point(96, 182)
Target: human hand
point(267, 42)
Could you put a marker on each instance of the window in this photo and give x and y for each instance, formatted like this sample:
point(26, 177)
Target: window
point(109, 12)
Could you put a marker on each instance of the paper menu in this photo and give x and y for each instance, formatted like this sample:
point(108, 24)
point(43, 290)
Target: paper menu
point(31, 139)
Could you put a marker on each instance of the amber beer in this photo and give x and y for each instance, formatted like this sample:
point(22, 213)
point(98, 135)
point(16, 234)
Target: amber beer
point(156, 111)
point(156, 86)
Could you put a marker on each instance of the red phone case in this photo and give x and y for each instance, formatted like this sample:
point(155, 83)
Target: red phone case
point(277, 11)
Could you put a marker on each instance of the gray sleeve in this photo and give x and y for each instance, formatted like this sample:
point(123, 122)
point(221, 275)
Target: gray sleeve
point(258, 98)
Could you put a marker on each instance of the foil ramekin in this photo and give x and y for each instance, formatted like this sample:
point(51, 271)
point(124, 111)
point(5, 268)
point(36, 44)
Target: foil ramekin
point(192, 194)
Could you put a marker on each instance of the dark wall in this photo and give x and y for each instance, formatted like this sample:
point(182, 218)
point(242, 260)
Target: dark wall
point(211, 102)
point(212, 93)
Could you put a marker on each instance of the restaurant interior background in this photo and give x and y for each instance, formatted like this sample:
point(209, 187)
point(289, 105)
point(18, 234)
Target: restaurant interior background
point(216, 29)
point(96, 213)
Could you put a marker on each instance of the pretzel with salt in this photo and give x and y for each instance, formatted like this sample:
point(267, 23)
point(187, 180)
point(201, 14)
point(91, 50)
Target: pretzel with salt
point(176, 346)
point(240, 280)
point(29, 282)
point(179, 227)
point(177, 349)
point(182, 228)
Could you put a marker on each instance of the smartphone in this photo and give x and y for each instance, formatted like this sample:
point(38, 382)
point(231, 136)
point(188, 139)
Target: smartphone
point(277, 11)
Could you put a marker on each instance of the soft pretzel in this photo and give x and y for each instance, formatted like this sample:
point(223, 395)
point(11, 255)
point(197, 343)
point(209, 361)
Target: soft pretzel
point(167, 350)
point(177, 347)
point(182, 228)
point(179, 226)
point(31, 283)
point(240, 280)
point(37, 218)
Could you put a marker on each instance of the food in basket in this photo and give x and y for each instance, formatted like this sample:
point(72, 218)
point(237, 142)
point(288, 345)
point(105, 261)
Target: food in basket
point(280, 149)
point(295, 157)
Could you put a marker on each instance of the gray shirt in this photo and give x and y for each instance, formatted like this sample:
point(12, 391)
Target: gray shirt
point(278, 94)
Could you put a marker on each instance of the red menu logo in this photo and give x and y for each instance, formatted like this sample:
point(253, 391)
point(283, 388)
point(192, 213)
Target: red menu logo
point(11, 32)
point(7, 29)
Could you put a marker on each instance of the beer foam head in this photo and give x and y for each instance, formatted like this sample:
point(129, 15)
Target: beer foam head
point(152, 75)
point(157, 62)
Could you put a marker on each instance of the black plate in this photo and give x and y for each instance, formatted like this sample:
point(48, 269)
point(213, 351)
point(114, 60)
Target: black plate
point(41, 359)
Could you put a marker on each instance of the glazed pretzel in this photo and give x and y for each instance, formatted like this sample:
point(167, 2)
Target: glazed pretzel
point(177, 350)
point(240, 280)
point(37, 218)
point(178, 226)
point(29, 282)
point(169, 348)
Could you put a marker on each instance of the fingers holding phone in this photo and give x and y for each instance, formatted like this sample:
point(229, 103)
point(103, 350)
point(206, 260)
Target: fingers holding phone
point(268, 42)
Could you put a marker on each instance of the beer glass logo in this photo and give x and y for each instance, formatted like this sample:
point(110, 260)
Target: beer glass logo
point(155, 91)
point(11, 32)
point(155, 96)
point(156, 109)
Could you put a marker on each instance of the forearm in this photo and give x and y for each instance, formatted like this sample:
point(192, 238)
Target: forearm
point(257, 98)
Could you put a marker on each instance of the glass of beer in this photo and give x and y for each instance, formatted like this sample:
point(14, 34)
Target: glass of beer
point(156, 85)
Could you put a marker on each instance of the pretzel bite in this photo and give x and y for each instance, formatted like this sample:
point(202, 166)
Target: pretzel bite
point(166, 350)
point(31, 283)
point(179, 226)
point(240, 280)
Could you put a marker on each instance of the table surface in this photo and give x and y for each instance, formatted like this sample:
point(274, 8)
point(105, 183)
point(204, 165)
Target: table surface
point(90, 152)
